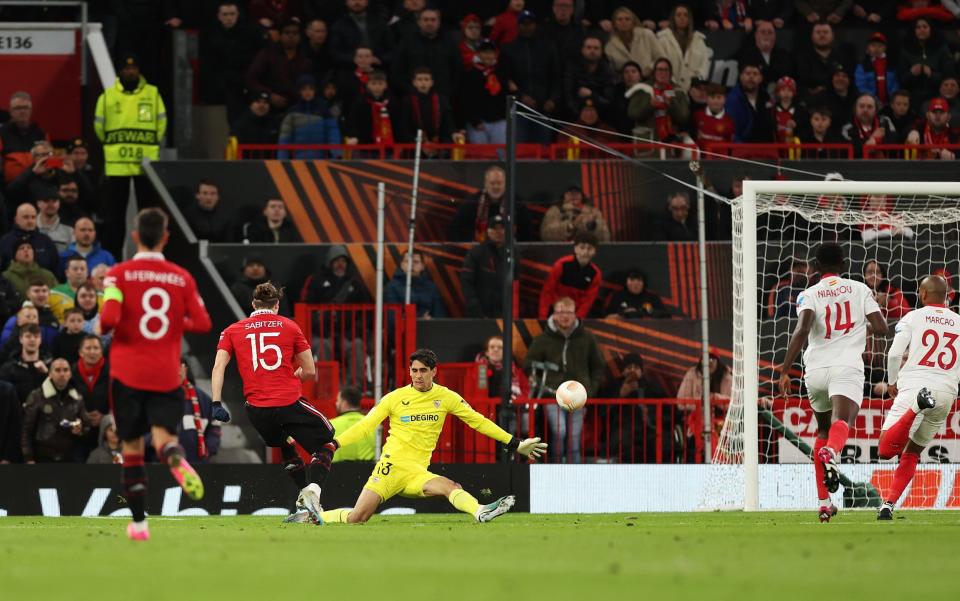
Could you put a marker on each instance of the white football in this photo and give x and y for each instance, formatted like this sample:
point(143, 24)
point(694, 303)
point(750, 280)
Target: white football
point(571, 395)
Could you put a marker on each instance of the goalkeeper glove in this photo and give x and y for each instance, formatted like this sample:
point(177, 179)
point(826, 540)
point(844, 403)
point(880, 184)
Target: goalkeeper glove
point(220, 412)
point(532, 448)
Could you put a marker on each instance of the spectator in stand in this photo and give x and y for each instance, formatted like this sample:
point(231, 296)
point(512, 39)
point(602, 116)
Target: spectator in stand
point(761, 49)
point(815, 63)
point(273, 227)
point(574, 214)
point(428, 48)
point(10, 338)
point(371, 118)
point(712, 123)
point(630, 77)
point(818, 130)
point(777, 12)
point(254, 272)
point(17, 137)
point(470, 221)
point(635, 300)
point(257, 125)
point(575, 276)
point(565, 30)
point(840, 98)
point(925, 59)
point(91, 376)
point(506, 24)
point(630, 41)
point(272, 14)
point(935, 131)
point(67, 343)
point(360, 27)
point(71, 208)
point(427, 110)
point(950, 91)
point(533, 68)
point(661, 110)
point(747, 105)
point(33, 182)
point(685, 48)
point(108, 449)
point(690, 393)
point(11, 424)
point(875, 75)
point(38, 294)
point(85, 244)
point(207, 217)
point(275, 69)
point(227, 47)
point(633, 428)
point(423, 292)
point(590, 76)
point(868, 127)
point(729, 15)
point(309, 121)
point(888, 297)
point(317, 49)
point(97, 275)
point(483, 92)
point(675, 226)
point(88, 300)
point(564, 351)
point(352, 84)
point(820, 11)
point(63, 296)
point(199, 433)
point(86, 176)
point(54, 420)
point(28, 369)
point(48, 219)
point(471, 34)
point(10, 299)
point(403, 24)
point(481, 278)
point(349, 413)
point(785, 114)
point(588, 123)
point(934, 10)
point(782, 299)
point(331, 95)
point(902, 115)
point(24, 269)
point(492, 357)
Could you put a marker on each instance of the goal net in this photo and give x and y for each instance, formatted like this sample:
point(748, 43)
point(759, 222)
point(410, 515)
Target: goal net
point(893, 235)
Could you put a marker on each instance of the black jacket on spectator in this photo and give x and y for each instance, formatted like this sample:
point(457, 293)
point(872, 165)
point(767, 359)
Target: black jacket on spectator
point(637, 306)
point(600, 82)
point(28, 186)
point(11, 423)
point(251, 129)
point(534, 65)
point(320, 59)
point(439, 53)
point(934, 54)
point(45, 251)
point(429, 112)
point(346, 35)
point(903, 124)
point(841, 107)
point(349, 88)
point(225, 55)
point(9, 299)
point(360, 118)
point(272, 72)
point(483, 100)
point(214, 225)
point(815, 71)
point(831, 137)
point(481, 280)
point(779, 65)
point(259, 231)
point(567, 39)
point(242, 290)
point(24, 377)
point(670, 230)
point(464, 225)
point(852, 134)
point(15, 145)
point(67, 346)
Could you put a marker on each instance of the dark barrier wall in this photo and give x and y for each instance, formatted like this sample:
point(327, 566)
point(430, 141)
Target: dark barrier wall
point(336, 201)
point(95, 490)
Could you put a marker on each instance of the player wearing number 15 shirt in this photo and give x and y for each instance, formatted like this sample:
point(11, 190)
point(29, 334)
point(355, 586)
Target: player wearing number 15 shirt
point(833, 317)
point(148, 304)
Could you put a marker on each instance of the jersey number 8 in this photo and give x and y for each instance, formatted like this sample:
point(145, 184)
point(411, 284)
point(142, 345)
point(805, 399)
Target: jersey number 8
point(257, 356)
point(154, 313)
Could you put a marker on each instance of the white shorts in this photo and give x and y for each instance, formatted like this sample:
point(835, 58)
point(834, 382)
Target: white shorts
point(827, 382)
point(927, 424)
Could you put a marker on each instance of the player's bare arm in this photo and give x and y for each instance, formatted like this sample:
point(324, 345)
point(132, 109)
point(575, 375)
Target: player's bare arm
point(797, 341)
point(220, 364)
point(307, 369)
point(877, 323)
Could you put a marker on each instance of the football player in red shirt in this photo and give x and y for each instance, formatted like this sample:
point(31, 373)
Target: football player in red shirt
point(148, 304)
point(266, 345)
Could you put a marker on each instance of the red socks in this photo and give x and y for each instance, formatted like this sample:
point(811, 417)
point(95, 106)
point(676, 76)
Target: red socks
point(903, 476)
point(893, 440)
point(838, 436)
point(822, 492)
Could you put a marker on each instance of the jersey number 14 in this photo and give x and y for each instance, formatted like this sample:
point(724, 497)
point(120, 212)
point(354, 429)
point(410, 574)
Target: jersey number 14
point(842, 322)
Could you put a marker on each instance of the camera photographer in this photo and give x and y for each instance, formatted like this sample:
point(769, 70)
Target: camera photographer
point(574, 213)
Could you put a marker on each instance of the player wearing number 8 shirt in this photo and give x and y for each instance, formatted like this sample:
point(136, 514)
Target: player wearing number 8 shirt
point(266, 345)
point(833, 317)
point(924, 388)
point(148, 304)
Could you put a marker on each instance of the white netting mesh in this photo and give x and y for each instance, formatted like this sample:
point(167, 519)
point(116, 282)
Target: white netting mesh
point(891, 242)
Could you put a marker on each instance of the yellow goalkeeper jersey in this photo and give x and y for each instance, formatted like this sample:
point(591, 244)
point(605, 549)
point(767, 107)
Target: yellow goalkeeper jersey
point(416, 419)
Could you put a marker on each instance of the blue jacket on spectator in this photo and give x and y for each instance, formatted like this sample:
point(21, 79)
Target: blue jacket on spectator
point(309, 123)
point(423, 293)
point(751, 125)
point(47, 333)
point(866, 79)
point(97, 256)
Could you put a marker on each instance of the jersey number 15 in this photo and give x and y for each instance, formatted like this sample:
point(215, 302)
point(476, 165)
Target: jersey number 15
point(842, 323)
point(257, 355)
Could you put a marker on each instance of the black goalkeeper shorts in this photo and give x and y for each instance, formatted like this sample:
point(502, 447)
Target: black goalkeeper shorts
point(299, 420)
point(136, 411)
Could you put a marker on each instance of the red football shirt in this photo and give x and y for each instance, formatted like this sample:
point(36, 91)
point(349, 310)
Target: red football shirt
point(265, 345)
point(149, 303)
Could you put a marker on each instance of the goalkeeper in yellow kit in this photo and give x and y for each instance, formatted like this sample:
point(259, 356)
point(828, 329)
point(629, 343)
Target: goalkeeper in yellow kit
point(416, 415)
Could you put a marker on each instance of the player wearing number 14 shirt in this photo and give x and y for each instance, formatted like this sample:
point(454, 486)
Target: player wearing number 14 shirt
point(924, 386)
point(148, 304)
point(833, 317)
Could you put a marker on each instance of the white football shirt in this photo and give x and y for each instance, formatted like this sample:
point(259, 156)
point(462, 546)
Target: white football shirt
point(932, 335)
point(839, 333)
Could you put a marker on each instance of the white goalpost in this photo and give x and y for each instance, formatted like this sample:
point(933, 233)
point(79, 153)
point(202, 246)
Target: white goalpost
point(907, 230)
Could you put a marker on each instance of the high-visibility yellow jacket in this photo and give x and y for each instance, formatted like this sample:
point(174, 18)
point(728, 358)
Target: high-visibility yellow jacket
point(363, 450)
point(130, 125)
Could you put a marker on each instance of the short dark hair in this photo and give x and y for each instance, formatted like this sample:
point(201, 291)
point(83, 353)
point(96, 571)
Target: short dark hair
point(586, 237)
point(73, 258)
point(351, 395)
point(30, 328)
point(423, 71)
point(266, 295)
point(822, 110)
point(206, 182)
point(151, 225)
point(90, 337)
point(906, 94)
point(37, 282)
point(377, 74)
point(425, 356)
point(73, 311)
point(830, 256)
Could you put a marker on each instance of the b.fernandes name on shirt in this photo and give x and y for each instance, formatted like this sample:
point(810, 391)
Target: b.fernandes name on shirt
point(155, 277)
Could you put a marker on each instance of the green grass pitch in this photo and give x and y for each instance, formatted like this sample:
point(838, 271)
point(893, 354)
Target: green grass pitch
point(770, 556)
